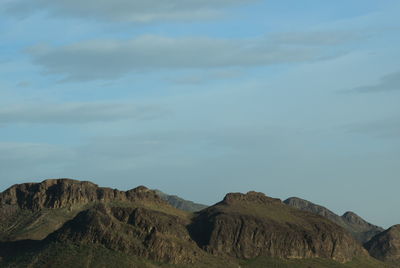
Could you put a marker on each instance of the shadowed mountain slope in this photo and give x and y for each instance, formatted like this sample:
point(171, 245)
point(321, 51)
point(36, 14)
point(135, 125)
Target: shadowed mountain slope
point(358, 227)
point(181, 203)
point(386, 245)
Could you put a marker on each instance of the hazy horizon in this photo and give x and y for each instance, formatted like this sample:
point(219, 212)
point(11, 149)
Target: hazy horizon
point(202, 98)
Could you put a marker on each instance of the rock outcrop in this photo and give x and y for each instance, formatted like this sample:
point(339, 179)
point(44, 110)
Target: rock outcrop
point(386, 245)
point(251, 225)
point(62, 193)
point(136, 231)
point(34, 210)
point(137, 222)
point(358, 227)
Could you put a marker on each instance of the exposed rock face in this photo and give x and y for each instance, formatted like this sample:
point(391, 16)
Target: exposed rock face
point(252, 224)
point(130, 222)
point(181, 203)
point(34, 210)
point(137, 231)
point(386, 245)
point(59, 193)
point(358, 227)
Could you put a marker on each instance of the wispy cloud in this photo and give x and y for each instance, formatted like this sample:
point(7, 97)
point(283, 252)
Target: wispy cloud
point(111, 59)
point(390, 82)
point(321, 38)
point(125, 10)
point(77, 113)
point(200, 78)
point(28, 159)
point(385, 128)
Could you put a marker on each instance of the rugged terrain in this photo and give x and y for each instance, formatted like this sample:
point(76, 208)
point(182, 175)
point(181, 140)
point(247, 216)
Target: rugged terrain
point(386, 245)
point(251, 225)
point(69, 223)
point(362, 230)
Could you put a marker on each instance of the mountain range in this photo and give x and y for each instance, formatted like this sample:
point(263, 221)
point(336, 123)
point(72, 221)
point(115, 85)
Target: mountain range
point(362, 230)
point(70, 223)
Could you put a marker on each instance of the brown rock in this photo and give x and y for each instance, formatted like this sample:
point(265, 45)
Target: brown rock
point(360, 229)
point(386, 245)
point(136, 231)
point(251, 225)
point(34, 210)
point(59, 193)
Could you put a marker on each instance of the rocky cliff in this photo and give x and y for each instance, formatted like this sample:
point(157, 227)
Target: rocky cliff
point(252, 224)
point(386, 245)
point(358, 227)
point(136, 231)
point(34, 210)
point(63, 193)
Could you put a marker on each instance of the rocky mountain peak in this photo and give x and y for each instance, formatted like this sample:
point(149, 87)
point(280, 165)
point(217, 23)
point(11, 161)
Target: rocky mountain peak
point(358, 227)
point(58, 193)
point(250, 225)
point(353, 218)
point(251, 196)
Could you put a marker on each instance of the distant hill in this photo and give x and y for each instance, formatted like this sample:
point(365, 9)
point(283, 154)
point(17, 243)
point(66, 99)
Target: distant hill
point(180, 203)
point(386, 245)
point(70, 223)
point(358, 227)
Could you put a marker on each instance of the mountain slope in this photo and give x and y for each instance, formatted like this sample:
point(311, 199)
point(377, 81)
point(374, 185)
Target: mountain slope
point(358, 227)
point(181, 203)
point(34, 210)
point(386, 245)
point(135, 222)
point(251, 225)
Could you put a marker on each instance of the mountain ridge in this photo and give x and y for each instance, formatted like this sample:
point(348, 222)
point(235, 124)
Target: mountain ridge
point(63, 215)
point(362, 230)
point(181, 203)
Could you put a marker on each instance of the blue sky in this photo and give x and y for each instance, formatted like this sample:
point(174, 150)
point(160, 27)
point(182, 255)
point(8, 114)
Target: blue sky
point(200, 98)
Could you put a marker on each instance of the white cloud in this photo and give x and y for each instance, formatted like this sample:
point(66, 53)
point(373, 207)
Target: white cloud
point(201, 77)
point(388, 128)
point(77, 113)
point(111, 59)
point(390, 82)
point(125, 10)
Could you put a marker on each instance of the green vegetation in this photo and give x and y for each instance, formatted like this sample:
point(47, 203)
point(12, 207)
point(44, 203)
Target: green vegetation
point(69, 255)
point(72, 255)
point(263, 262)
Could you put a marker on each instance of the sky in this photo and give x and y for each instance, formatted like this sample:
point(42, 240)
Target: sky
point(204, 97)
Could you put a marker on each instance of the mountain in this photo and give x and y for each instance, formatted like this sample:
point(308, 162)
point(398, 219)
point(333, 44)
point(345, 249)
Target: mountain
point(251, 225)
point(69, 223)
point(386, 245)
point(180, 203)
point(358, 227)
point(65, 210)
